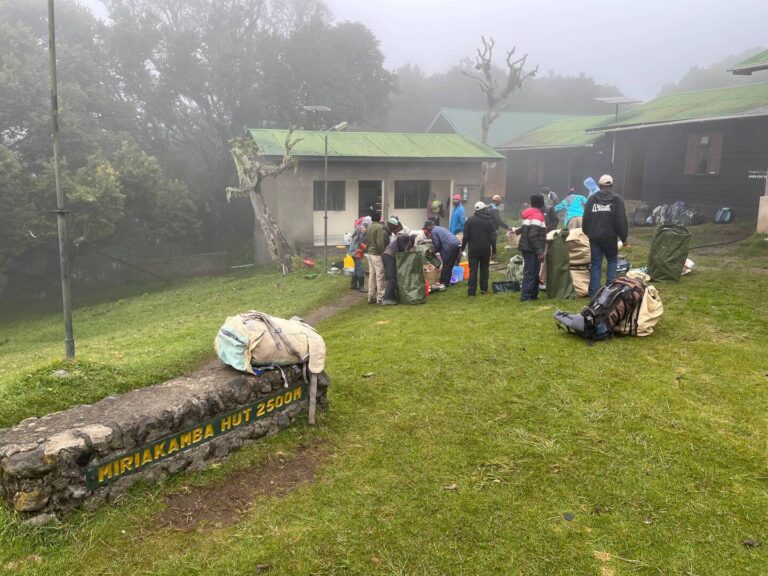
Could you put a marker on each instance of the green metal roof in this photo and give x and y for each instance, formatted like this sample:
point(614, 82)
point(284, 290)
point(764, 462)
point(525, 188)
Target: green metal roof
point(569, 133)
point(507, 127)
point(757, 62)
point(716, 104)
point(383, 145)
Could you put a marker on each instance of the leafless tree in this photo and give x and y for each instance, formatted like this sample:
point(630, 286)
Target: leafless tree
point(251, 173)
point(497, 96)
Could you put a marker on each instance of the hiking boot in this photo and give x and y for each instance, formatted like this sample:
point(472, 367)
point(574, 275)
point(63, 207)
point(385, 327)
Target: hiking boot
point(388, 303)
point(372, 302)
point(362, 288)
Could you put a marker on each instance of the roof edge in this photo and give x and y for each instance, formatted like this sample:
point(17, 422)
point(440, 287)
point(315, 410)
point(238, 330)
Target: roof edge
point(625, 127)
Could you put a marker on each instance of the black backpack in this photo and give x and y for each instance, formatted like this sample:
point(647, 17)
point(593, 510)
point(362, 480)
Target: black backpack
point(614, 309)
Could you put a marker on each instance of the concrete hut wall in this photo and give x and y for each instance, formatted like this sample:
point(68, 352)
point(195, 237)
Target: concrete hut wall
point(744, 150)
point(290, 196)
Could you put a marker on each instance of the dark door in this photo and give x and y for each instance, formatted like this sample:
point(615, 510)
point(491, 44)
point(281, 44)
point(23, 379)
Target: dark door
point(369, 197)
point(633, 183)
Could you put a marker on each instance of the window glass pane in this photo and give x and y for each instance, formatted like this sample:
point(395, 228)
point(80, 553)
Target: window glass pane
point(411, 194)
point(336, 195)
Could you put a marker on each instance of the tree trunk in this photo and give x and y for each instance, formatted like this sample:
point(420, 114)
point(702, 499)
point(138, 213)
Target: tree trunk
point(279, 249)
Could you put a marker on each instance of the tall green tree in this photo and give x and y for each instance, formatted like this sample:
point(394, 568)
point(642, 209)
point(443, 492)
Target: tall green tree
point(199, 72)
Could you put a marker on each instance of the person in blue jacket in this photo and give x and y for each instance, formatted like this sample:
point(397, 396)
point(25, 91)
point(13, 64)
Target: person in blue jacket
point(573, 206)
point(448, 246)
point(458, 217)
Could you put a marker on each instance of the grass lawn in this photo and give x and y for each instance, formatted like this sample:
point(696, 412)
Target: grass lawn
point(486, 441)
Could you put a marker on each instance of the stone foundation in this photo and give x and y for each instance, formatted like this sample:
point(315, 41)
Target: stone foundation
point(88, 455)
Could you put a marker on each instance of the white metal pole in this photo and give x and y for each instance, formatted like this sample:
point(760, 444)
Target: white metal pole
point(325, 203)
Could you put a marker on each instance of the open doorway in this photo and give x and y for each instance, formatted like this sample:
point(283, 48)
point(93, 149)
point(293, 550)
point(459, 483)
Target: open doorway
point(369, 197)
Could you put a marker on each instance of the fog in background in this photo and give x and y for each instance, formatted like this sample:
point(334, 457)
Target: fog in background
point(638, 46)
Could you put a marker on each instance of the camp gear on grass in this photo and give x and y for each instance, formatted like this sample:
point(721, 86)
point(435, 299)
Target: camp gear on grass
point(580, 280)
point(724, 216)
point(669, 250)
point(622, 266)
point(578, 247)
point(688, 266)
point(651, 310)
point(641, 214)
point(614, 310)
point(559, 284)
point(410, 278)
point(515, 269)
point(506, 286)
point(457, 275)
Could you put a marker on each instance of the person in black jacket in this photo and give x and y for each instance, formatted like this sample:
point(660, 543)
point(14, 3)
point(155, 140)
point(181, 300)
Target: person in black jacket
point(604, 223)
point(479, 234)
point(533, 244)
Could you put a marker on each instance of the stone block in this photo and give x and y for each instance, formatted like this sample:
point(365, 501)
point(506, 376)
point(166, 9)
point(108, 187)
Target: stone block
point(89, 455)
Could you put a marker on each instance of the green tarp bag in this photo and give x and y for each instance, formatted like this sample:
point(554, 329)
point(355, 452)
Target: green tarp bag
point(559, 283)
point(669, 249)
point(410, 278)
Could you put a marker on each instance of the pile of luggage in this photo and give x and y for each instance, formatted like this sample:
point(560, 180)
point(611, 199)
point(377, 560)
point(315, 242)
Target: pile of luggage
point(676, 213)
point(627, 307)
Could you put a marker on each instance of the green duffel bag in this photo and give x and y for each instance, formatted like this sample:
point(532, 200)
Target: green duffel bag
point(559, 283)
point(669, 249)
point(411, 285)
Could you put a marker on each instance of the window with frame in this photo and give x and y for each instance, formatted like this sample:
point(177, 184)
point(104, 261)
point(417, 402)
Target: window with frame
point(411, 194)
point(337, 195)
point(703, 154)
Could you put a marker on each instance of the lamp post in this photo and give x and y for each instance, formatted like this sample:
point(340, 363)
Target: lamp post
point(338, 128)
point(61, 209)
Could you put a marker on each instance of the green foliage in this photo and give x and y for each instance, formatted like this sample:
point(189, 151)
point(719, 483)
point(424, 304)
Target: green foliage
point(14, 209)
point(157, 208)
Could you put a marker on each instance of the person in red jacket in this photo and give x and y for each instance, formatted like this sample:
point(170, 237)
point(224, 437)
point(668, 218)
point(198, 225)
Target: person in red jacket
point(533, 243)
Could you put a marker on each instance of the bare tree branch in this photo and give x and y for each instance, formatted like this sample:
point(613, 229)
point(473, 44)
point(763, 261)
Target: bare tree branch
point(251, 173)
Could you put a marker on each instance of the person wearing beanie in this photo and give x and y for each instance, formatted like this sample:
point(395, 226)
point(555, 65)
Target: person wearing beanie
point(604, 223)
point(378, 238)
point(458, 216)
point(533, 243)
point(479, 234)
point(448, 246)
point(497, 222)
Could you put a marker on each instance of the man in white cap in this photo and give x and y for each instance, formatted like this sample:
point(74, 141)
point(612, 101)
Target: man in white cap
point(604, 223)
point(479, 234)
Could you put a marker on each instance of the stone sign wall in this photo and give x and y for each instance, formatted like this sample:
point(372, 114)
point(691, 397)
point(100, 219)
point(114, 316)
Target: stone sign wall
point(88, 455)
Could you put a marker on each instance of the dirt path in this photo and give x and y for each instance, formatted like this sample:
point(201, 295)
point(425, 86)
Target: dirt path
point(223, 503)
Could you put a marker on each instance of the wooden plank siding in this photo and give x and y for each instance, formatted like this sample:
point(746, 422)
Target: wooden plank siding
point(743, 148)
point(557, 168)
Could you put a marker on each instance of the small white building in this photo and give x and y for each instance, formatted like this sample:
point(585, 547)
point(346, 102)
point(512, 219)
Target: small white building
point(396, 174)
